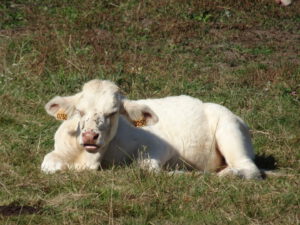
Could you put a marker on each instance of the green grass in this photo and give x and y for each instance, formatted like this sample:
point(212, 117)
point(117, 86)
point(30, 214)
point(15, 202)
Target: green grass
point(242, 54)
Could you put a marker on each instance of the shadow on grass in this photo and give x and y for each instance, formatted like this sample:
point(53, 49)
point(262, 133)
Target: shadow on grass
point(14, 209)
point(265, 162)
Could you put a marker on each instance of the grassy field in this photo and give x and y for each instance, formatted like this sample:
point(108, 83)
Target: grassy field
point(242, 54)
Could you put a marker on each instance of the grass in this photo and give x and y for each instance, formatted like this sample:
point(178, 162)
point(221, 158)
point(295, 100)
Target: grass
point(242, 54)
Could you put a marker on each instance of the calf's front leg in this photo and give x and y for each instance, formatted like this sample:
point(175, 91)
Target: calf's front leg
point(53, 162)
point(153, 158)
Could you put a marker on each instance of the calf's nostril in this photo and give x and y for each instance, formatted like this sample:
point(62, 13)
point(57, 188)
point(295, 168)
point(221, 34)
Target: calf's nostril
point(96, 136)
point(89, 137)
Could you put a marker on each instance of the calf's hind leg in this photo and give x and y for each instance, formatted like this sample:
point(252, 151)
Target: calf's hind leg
point(234, 142)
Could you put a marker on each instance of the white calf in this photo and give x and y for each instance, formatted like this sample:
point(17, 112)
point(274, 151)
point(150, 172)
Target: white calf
point(179, 129)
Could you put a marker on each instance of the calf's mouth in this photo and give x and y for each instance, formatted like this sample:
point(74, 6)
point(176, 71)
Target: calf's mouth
point(92, 148)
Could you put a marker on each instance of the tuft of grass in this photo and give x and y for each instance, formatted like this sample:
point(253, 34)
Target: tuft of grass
point(242, 54)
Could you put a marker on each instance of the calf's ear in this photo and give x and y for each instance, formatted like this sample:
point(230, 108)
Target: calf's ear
point(138, 114)
point(62, 108)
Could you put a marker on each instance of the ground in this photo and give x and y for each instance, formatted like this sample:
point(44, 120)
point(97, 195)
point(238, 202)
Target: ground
point(242, 54)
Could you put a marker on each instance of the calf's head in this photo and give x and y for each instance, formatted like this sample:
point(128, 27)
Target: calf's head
point(98, 108)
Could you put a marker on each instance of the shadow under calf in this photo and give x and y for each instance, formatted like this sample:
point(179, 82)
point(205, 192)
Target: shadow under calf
point(265, 163)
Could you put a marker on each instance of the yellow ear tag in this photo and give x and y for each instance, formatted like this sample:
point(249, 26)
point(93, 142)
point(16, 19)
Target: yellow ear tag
point(61, 115)
point(139, 123)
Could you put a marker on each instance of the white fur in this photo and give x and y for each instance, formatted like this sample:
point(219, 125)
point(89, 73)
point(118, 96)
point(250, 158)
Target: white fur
point(179, 129)
point(284, 2)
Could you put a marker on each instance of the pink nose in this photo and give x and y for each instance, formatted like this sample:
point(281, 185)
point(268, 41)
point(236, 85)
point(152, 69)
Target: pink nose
point(89, 137)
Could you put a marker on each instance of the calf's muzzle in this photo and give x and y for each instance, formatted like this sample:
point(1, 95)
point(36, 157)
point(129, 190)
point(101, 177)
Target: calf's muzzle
point(89, 137)
point(89, 140)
